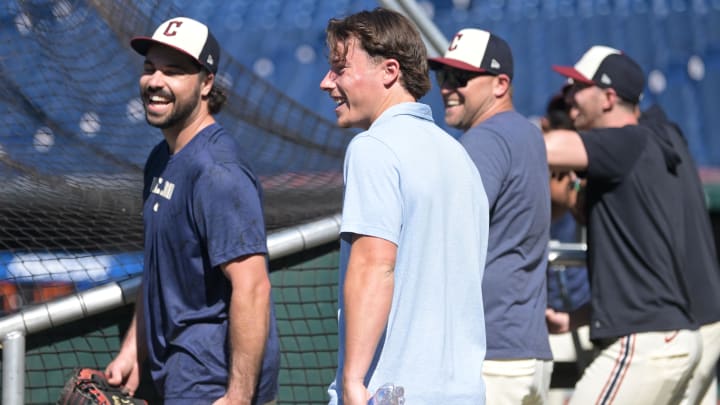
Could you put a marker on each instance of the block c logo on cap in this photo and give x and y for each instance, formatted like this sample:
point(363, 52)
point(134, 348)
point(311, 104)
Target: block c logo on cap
point(170, 30)
point(454, 43)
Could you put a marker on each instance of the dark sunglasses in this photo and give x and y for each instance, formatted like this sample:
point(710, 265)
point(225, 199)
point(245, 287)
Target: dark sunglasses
point(455, 78)
point(573, 89)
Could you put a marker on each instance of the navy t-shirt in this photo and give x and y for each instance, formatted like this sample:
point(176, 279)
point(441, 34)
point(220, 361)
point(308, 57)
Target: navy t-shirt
point(635, 237)
point(509, 153)
point(202, 208)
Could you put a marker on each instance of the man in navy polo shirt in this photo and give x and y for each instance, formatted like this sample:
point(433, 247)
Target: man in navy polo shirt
point(204, 323)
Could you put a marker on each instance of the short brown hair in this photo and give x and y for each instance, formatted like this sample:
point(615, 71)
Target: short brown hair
point(384, 33)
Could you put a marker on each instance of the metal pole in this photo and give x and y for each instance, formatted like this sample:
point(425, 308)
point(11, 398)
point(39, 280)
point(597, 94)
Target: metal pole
point(13, 388)
point(433, 38)
point(567, 254)
point(115, 294)
point(298, 238)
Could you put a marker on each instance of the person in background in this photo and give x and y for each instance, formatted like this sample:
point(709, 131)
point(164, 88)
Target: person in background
point(639, 314)
point(414, 225)
point(568, 287)
point(475, 77)
point(701, 269)
point(204, 322)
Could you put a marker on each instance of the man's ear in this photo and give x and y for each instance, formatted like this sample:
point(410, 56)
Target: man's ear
point(502, 85)
point(391, 71)
point(610, 98)
point(207, 84)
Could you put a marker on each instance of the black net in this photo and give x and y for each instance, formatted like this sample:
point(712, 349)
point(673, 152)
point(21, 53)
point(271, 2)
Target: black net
point(73, 142)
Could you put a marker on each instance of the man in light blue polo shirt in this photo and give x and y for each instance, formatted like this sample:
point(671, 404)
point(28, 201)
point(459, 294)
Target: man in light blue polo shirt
point(414, 229)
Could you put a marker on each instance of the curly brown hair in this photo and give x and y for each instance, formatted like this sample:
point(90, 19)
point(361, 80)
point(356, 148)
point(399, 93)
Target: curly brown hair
point(217, 96)
point(386, 34)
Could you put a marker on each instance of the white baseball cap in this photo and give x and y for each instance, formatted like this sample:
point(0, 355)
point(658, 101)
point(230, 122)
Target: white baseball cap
point(477, 50)
point(186, 35)
point(607, 67)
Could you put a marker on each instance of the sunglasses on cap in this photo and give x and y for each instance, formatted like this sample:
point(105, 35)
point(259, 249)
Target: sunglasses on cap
point(455, 78)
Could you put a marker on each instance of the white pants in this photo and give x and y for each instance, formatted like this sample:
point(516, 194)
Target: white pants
point(515, 382)
point(651, 368)
point(698, 392)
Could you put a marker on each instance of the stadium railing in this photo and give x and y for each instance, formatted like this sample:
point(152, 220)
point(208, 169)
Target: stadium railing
point(39, 318)
point(109, 297)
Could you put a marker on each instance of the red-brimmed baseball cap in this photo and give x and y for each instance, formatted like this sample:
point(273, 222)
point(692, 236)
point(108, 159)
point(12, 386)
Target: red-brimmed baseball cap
point(476, 50)
point(608, 67)
point(186, 35)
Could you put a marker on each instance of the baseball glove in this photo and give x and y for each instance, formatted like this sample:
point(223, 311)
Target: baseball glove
point(90, 387)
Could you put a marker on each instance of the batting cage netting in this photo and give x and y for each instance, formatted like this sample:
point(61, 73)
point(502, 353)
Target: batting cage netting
point(73, 142)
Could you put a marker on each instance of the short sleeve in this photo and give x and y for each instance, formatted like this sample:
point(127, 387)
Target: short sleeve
point(612, 152)
point(372, 204)
point(491, 154)
point(228, 213)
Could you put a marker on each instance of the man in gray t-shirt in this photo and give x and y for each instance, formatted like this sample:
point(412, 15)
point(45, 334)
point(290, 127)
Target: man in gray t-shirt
point(475, 76)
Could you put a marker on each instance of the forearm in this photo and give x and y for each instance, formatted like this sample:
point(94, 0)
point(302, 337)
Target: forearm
point(130, 345)
point(125, 367)
point(368, 293)
point(249, 325)
point(565, 150)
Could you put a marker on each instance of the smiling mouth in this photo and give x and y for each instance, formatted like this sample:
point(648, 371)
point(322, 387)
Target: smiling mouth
point(451, 103)
point(158, 100)
point(339, 101)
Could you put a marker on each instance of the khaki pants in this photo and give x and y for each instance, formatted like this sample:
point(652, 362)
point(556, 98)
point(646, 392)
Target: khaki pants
point(514, 382)
point(702, 389)
point(651, 368)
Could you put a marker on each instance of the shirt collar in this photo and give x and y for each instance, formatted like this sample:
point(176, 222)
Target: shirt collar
point(419, 110)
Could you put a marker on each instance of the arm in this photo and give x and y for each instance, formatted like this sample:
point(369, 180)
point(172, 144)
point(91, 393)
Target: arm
point(125, 367)
point(368, 291)
point(249, 325)
point(565, 150)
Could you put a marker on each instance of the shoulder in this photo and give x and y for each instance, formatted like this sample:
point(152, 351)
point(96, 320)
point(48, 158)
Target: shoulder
point(221, 156)
point(616, 137)
point(628, 131)
point(374, 140)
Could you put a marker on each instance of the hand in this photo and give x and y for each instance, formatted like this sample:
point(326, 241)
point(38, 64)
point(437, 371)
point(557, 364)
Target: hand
point(124, 370)
point(557, 322)
point(355, 394)
point(577, 200)
point(560, 187)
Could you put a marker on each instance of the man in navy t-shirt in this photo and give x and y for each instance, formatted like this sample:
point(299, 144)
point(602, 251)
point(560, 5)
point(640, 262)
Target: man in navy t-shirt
point(204, 322)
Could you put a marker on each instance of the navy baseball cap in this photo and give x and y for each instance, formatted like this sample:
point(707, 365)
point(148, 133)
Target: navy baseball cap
point(186, 35)
point(478, 51)
point(607, 67)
